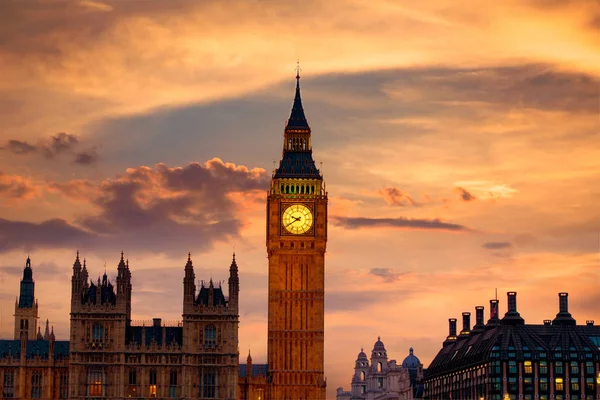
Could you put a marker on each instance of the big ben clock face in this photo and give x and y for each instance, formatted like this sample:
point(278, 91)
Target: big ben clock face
point(297, 219)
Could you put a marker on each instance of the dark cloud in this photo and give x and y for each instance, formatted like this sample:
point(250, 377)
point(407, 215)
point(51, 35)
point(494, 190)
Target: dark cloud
point(51, 147)
point(58, 143)
point(465, 195)
point(88, 157)
point(395, 197)
point(19, 147)
point(15, 186)
point(48, 234)
point(429, 224)
point(496, 245)
point(43, 271)
point(161, 209)
point(387, 274)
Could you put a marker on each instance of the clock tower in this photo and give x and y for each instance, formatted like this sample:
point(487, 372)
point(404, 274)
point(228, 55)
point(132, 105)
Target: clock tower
point(296, 241)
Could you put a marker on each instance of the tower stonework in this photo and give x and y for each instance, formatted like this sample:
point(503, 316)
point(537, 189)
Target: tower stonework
point(296, 243)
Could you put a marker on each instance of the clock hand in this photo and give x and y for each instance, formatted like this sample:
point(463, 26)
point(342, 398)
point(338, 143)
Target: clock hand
point(291, 222)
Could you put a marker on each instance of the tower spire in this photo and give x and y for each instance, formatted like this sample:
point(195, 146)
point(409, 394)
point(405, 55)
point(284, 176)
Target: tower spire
point(297, 121)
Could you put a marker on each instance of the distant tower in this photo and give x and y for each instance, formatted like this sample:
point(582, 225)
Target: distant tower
point(26, 308)
point(359, 380)
point(296, 242)
point(210, 331)
point(100, 318)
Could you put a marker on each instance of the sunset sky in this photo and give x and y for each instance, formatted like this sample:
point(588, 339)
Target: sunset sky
point(459, 139)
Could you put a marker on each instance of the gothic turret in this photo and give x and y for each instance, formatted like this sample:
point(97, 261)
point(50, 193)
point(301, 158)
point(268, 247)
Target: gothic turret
point(26, 297)
point(26, 307)
point(189, 286)
point(234, 284)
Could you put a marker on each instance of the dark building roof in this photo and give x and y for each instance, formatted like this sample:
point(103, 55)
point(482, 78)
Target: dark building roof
point(218, 298)
point(512, 339)
point(12, 348)
point(297, 163)
point(173, 334)
point(297, 120)
point(257, 370)
point(26, 295)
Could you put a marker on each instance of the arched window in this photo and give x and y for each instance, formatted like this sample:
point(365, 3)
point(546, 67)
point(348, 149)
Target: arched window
point(173, 383)
point(210, 337)
point(97, 333)
point(379, 367)
point(282, 189)
point(362, 375)
point(287, 188)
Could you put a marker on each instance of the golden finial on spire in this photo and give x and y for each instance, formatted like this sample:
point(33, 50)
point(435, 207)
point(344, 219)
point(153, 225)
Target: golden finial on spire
point(298, 69)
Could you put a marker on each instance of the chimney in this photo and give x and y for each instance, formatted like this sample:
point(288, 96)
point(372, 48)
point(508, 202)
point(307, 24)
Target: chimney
point(589, 322)
point(156, 322)
point(563, 317)
point(466, 319)
point(512, 316)
point(479, 324)
point(451, 332)
point(494, 313)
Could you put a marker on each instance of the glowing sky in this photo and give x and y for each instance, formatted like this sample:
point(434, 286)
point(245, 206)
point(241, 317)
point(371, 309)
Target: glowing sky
point(459, 141)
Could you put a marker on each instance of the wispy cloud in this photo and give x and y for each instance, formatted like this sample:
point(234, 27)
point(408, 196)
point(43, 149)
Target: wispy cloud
point(496, 245)
point(395, 197)
point(405, 223)
point(387, 274)
point(465, 195)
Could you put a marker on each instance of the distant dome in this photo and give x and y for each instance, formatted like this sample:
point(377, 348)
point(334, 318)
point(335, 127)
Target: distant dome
point(411, 361)
point(362, 356)
point(379, 347)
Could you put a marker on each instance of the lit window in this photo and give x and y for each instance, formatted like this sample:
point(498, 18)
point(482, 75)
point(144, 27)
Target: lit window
point(527, 366)
point(96, 383)
point(152, 387)
point(558, 384)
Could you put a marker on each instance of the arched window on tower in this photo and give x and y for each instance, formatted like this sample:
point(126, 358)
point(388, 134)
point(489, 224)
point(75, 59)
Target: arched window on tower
point(97, 333)
point(282, 189)
point(210, 337)
point(362, 375)
point(379, 367)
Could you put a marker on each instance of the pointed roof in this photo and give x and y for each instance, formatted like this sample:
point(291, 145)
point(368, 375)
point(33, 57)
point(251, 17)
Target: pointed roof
point(297, 120)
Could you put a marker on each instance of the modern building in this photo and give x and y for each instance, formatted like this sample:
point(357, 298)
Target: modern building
point(509, 359)
point(384, 379)
point(109, 357)
point(296, 242)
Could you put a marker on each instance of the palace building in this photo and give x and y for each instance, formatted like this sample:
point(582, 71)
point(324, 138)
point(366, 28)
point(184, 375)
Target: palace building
point(109, 357)
point(382, 378)
point(296, 242)
point(509, 359)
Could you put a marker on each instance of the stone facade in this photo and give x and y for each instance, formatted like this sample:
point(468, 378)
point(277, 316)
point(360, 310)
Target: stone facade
point(384, 379)
point(109, 357)
point(296, 242)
